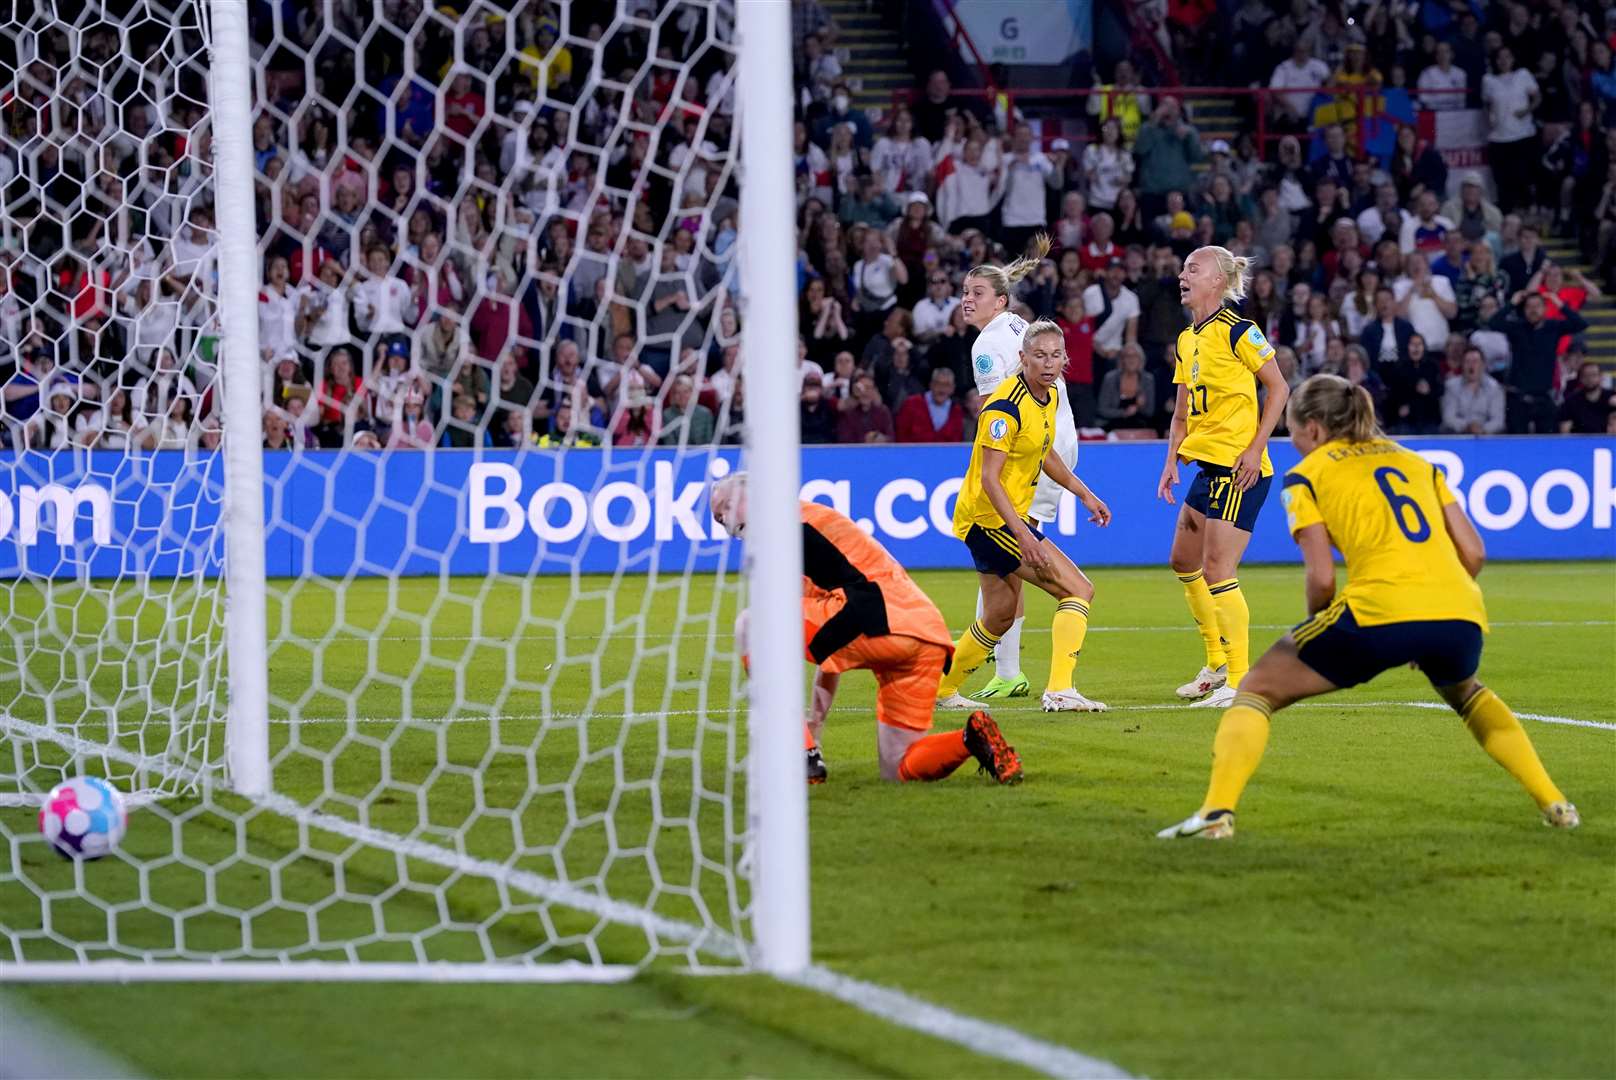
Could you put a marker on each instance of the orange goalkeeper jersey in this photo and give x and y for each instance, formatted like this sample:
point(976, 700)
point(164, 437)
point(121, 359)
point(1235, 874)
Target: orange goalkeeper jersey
point(852, 587)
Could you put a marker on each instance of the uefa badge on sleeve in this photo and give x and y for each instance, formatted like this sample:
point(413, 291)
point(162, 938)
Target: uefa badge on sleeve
point(984, 363)
point(998, 428)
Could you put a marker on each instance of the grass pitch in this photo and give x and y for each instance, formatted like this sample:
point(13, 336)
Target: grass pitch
point(1391, 906)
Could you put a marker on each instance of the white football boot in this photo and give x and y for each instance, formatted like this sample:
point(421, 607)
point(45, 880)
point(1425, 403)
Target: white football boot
point(1070, 701)
point(1203, 684)
point(1221, 698)
point(1561, 815)
point(1218, 826)
point(958, 700)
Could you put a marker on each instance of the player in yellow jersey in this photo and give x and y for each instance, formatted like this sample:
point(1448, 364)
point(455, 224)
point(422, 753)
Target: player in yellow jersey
point(1015, 445)
point(1222, 358)
point(1412, 557)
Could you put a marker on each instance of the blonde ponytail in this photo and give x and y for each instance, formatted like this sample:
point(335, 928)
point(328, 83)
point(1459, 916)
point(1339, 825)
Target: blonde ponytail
point(1343, 410)
point(1000, 278)
point(1236, 271)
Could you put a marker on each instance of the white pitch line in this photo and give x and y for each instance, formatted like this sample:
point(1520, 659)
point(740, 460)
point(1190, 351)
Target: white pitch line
point(982, 1036)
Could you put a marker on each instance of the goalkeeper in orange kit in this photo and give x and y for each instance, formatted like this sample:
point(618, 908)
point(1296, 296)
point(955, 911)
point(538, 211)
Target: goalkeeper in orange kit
point(861, 610)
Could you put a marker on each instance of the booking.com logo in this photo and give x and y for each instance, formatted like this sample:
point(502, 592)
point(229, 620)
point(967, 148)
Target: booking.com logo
point(906, 508)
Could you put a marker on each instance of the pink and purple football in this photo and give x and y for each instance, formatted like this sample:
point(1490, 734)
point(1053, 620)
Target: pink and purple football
point(83, 818)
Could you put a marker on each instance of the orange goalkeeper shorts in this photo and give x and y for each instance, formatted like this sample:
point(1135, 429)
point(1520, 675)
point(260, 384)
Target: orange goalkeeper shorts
point(906, 672)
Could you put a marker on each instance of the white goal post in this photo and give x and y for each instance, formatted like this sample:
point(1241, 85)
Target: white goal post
point(359, 738)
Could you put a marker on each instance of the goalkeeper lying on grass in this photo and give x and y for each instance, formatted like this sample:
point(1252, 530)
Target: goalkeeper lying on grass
point(861, 610)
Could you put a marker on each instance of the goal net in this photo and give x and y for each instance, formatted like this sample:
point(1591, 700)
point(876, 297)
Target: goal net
point(497, 361)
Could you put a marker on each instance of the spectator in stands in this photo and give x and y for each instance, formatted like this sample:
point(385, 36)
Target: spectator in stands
point(820, 71)
point(1386, 337)
point(1426, 300)
point(1384, 219)
point(1424, 231)
point(1564, 290)
point(1470, 212)
point(934, 311)
point(818, 419)
point(841, 112)
point(1132, 225)
point(1225, 208)
point(1107, 165)
point(1167, 147)
point(323, 309)
point(1275, 225)
point(1161, 310)
point(1025, 175)
point(1589, 403)
point(1480, 279)
point(277, 433)
point(932, 417)
point(1095, 255)
point(1509, 96)
point(1115, 310)
point(915, 240)
point(410, 429)
point(896, 373)
point(1442, 85)
point(862, 416)
point(935, 107)
point(1534, 343)
point(638, 423)
point(278, 303)
point(1335, 162)
point(1122, 100)
point(968, 188)
point(382, 302)
point(1303, 74)
point(684, 419)
point(562, 430)
point(1473, 402)
point(901, 160)
point(1128, 394)
point(1077, 328)
point(1522, 265)
point(511, 392)
point(821, 324)
point(389, 385)
point(1413, 391)
point(1455, 256)
point(1416, 166)
point(876, 280)
point(339, 399)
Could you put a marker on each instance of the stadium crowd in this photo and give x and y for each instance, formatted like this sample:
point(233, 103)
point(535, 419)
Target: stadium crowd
point(469, 238)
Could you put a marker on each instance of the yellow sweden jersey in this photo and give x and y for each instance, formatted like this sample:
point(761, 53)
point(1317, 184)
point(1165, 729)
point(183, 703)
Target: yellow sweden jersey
point(1015, 422)
point(1382, 505)
point(1217, 364)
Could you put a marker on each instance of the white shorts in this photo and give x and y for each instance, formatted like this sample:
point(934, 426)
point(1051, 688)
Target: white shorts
point(1046, 499)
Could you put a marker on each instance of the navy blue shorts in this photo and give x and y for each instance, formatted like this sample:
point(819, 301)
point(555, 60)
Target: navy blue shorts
point(996, 551)
point(1332, 643)
point(1212, 493)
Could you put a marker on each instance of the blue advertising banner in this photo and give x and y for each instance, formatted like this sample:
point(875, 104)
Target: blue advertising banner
point(472, 512)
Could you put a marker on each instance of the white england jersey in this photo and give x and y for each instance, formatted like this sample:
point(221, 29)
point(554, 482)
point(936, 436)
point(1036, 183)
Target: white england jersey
point(996, 356)
point(997, 353)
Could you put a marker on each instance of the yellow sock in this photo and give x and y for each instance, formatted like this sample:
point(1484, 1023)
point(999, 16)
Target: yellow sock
point(1071, 625)
point(969, 652)
point(1242, 735)
point(1506, 742)
point(1234, 624)
point(1205, 613)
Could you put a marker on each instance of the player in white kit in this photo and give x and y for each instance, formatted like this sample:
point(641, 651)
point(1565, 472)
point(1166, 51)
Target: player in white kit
point(996, 356)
